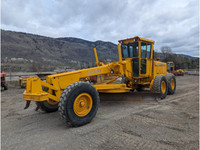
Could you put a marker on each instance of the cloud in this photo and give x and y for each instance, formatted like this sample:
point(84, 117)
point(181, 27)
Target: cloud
point(173, 23)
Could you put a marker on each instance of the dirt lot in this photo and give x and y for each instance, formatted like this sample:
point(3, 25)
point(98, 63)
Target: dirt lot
point(168, 124)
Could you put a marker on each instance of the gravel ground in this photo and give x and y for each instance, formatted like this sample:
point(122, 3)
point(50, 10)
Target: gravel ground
point(172, 123)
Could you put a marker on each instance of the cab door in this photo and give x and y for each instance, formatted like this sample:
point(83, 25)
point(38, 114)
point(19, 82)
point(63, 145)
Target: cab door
point(134, 48)
point(130, 52)
point(145, 59)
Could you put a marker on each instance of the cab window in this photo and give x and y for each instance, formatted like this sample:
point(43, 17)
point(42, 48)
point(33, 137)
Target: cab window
point(148, 50)
point(143, 50)
point(124, 51)
point(130, 50)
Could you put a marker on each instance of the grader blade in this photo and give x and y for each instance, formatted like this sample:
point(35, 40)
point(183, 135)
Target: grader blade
point(137, 97)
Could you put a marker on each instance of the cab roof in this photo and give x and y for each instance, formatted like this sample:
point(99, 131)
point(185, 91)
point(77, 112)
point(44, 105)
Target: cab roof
point(134, 39)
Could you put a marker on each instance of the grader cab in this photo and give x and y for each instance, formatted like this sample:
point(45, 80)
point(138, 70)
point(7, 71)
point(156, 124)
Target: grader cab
point(77, 98)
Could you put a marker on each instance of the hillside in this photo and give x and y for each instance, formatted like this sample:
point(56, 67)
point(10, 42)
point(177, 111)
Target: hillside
point(27, 52)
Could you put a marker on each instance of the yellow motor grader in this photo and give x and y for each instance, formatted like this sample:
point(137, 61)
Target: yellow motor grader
point(77, 97)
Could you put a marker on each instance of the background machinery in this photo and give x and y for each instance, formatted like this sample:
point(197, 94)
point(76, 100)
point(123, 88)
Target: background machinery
point(179, 72)
point(76, 96)
point(170, 66)
point(22, 81)
point(171, 69)
point(3, 81)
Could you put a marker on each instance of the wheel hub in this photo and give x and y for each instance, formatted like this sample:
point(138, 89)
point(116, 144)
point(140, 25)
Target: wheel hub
point(82, 104)
point(163, 87)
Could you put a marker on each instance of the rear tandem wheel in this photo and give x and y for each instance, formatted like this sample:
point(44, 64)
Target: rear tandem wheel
point(171, 81)
point(160, 85)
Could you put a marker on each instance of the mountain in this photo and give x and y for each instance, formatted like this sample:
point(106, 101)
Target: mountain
point(161, 55)
point(28, 52)
point(187, 56)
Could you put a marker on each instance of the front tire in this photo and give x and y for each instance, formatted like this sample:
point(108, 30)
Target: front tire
point(49, 106)
point(79, 103)
point(160, 86)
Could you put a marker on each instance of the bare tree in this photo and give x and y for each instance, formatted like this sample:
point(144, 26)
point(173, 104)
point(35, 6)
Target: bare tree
point(156, 53)
point(166, 51)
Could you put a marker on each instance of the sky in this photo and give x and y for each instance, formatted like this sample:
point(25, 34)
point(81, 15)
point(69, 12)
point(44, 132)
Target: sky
point(173, 23)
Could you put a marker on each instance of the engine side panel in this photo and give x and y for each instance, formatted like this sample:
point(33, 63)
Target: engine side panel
point(159, 68)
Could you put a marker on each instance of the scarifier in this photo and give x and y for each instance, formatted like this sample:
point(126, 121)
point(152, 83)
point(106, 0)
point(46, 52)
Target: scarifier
point(76, 94)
